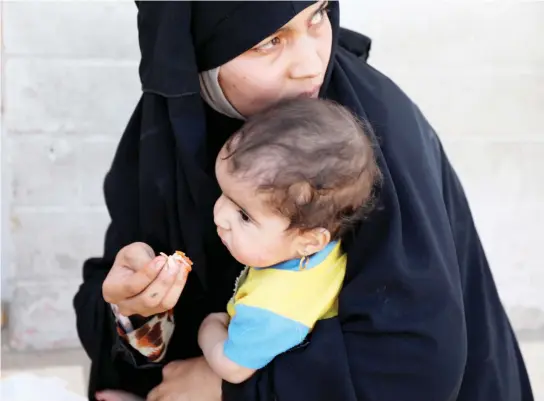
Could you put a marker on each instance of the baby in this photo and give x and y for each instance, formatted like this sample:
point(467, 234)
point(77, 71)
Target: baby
point(293, 179)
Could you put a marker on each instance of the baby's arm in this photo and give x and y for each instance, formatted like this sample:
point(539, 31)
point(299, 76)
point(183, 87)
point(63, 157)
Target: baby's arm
point(252, 338)
point(211, 337)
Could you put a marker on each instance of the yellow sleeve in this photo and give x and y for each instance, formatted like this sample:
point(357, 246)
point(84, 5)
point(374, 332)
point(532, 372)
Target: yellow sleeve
point(302, 296)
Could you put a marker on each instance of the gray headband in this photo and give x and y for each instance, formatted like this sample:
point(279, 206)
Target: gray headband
point(211, 92)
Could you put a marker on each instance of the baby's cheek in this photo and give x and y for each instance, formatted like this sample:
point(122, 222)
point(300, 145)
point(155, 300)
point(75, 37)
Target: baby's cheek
point(264, 255)
point(256, 256)
point(245, 250)
point(252, 251)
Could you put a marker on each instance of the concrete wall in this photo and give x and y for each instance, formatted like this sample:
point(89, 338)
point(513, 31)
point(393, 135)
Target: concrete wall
point(70, 82)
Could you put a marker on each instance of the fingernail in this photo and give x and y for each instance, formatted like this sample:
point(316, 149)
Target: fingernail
point(173, 269)
point(159, 263)
point(182, 274)
point(186, 266)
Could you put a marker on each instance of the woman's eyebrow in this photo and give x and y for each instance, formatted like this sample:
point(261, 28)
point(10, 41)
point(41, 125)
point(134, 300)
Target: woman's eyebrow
point(322, 5)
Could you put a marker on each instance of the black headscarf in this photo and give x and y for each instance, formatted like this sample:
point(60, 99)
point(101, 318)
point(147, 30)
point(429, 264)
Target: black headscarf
point(419, 315)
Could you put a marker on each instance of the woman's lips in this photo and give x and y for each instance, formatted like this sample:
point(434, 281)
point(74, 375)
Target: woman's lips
point(313, 93)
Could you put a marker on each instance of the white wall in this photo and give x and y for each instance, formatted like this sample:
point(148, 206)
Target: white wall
point(70, 82)
point(476, 68)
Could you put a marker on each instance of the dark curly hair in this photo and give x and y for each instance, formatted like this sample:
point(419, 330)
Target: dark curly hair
point(314, 160)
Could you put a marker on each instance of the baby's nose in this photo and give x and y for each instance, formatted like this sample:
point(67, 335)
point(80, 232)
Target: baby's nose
point(220, 220)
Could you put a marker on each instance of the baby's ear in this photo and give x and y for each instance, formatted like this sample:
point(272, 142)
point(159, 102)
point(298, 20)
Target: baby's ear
point(314, 240)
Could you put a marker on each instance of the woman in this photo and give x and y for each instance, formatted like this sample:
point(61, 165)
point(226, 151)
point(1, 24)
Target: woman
point(419, 315)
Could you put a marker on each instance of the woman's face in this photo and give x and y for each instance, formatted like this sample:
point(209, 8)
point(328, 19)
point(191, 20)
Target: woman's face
point(289, 63)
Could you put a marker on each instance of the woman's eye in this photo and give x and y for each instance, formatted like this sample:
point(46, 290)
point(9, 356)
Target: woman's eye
point(318, 17)
point(244, 217)
point(275, 41)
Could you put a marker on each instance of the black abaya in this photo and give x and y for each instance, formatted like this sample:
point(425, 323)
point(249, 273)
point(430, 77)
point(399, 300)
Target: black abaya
point(419, 314)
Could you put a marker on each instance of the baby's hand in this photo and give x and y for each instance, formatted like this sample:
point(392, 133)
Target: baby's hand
point(116, 395)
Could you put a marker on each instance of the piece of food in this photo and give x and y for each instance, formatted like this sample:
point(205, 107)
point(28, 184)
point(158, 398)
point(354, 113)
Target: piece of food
point(179, 257)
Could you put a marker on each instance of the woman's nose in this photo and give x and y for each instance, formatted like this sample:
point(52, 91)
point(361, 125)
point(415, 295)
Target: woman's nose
point(306, 61)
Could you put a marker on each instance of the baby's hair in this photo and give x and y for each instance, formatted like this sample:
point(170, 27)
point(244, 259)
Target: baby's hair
point(312, 158)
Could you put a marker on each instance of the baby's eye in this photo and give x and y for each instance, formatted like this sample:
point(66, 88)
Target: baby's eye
point(243, 216)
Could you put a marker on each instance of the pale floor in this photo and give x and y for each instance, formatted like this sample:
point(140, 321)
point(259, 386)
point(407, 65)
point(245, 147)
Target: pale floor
point(71, 366)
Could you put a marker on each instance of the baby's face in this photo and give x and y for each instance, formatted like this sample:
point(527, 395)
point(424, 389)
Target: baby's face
point(253, 233)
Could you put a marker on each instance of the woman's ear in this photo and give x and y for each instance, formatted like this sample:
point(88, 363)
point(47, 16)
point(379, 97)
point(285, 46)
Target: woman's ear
point(313, 241)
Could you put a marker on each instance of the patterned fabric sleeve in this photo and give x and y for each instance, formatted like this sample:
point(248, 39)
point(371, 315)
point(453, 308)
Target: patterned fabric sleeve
point(150, 338)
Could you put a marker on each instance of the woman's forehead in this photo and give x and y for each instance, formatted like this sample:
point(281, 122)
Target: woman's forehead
point(222, 30)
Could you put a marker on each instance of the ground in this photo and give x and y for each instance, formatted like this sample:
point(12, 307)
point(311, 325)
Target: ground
point(72, 366)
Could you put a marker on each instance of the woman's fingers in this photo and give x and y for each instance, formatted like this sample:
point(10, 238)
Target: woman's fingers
point(149, 301)
point(135, 256)
point(155, 292)
point(130, 273)
point(171, 298)
point(123, 283)
point(166, 392)
point(157, 393)
point(190, 379)
point(141, 279)
point(116, 395)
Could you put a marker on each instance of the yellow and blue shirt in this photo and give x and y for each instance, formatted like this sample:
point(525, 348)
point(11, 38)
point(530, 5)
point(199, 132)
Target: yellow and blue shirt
point(274, 308)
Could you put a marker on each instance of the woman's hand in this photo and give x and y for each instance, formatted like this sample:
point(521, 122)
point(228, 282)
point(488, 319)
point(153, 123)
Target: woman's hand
point(189, 380)
point(116, 395)
point(141, 284)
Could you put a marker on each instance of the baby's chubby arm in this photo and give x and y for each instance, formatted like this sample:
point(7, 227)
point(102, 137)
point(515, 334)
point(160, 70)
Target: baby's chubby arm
point(211, 337)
